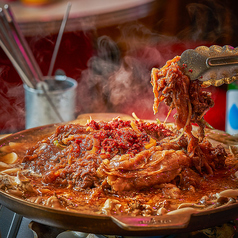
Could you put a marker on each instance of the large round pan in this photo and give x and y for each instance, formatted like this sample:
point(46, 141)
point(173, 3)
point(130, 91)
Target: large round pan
point(110, 225)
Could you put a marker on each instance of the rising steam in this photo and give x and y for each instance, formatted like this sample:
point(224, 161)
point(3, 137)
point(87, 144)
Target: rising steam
point(113, 83)
point(117, 78)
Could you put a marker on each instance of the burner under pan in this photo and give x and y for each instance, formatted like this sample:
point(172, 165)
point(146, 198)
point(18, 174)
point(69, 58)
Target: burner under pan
point(13, 225)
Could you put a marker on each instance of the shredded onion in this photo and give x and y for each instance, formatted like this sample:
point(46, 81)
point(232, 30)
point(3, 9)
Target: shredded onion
point(186, 124)
point(168, 115)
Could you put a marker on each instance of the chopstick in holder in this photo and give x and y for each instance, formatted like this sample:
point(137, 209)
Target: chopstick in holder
point(23, 45)
point(16, 48)
point(58, 41)
point(9, 48)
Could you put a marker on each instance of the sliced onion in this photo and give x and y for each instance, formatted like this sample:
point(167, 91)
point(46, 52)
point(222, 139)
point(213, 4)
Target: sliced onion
point(12, 145)
point(10, 171)
point(186, 124)
point(185, 210)
point(168, 115)
point(135, 116)
point(10, 158)
point(229, 193)
point(151, 143)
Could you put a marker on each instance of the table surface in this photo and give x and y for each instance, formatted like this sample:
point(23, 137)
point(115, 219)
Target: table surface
point(79, 8)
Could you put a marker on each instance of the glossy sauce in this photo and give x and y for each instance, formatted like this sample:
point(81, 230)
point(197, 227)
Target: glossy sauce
point(69, 169)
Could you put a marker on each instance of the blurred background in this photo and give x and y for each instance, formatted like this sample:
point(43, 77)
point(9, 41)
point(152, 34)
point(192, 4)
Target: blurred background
point(110, 47)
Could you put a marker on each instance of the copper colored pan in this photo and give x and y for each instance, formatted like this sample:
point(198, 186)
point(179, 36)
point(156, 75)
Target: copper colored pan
point(90, 222)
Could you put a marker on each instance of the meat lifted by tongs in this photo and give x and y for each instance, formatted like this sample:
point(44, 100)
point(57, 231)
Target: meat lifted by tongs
point(179, 84)
point(172, 86)
point(215, 65)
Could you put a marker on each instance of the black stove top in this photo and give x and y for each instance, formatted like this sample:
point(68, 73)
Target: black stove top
point(13, 225)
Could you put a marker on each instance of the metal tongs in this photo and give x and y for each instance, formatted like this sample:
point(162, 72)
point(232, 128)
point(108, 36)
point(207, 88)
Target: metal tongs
point(213, 65)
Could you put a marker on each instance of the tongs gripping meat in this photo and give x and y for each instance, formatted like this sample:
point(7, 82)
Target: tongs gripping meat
point(213, 65)
point(178, 92)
